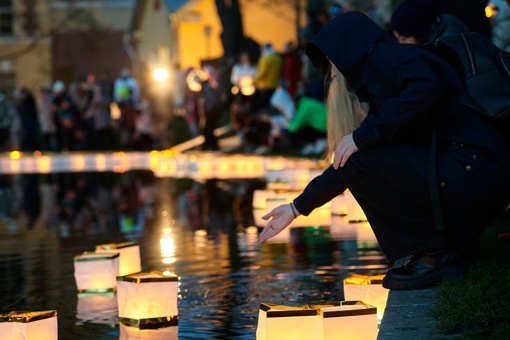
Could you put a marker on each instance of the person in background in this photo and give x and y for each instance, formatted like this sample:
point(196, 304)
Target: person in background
point(26, 109)
point(291, 74)
point(144, 128)
point(383, 156)
point(213, 98)
point(47, 119)
point(269, 72)
point(126, 93)
point(66, 117)
point(283, 103)
point(243, 71)
point(307, 130)
point(5, 122)
point(421, 21)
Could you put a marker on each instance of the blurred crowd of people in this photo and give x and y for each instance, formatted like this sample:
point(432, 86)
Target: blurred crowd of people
point(276, 98)
point(92, 113)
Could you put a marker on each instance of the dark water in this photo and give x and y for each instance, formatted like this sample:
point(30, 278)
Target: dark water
point(201, 231)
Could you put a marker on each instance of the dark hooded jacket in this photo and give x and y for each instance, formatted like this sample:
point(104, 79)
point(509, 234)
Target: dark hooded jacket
point(410, 92)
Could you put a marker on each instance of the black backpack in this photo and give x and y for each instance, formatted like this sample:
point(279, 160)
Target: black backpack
point(485, 69)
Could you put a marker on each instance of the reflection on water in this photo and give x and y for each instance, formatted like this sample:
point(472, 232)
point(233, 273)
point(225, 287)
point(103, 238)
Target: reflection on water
point(201, 231)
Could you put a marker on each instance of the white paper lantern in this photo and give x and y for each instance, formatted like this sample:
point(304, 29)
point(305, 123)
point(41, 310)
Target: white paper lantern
point(96, 272)
point(353, 320)
point(346, 320)
point(369, 289)
point(39, 325)
point(148, 300)
point(129, 262)
point(277, 322)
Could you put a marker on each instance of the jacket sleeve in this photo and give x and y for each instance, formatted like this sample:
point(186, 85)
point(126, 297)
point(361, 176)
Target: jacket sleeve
point(419, 87)
point(319, 191)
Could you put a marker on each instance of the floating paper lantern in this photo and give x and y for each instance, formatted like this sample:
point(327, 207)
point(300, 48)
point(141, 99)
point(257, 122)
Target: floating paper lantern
point(278, 322)
point(368, 289)
point(353, 320)
point(40, 325)
point(96, 272)
point(129, 262)
point(148, 300)
point(345, 320)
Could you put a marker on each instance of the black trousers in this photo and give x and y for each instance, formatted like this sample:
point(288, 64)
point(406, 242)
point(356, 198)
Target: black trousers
point(396, 201)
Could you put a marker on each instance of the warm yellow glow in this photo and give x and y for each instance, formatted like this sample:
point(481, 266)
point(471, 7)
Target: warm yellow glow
point(247, 86)
point(16, 154)
point(15, 167)
point(160, 74)
point(167, 246)
point(234, 90)
point(169, 260)
point(490, 11)
point(201, 232)
point(195, 79)
point(44, 164)
point(78, 162)
point(114, 111)
point(248, 91)
point(101, 162)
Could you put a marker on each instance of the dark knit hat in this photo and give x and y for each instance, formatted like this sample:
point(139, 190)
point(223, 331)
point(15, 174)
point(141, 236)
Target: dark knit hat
point(415, 18)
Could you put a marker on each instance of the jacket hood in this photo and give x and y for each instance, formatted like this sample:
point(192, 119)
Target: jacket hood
point(347, 41)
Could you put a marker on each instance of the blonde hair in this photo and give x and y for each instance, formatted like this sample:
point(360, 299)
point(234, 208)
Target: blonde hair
point(345, 113)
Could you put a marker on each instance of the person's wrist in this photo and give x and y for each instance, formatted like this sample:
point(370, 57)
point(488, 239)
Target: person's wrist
point(294, 210)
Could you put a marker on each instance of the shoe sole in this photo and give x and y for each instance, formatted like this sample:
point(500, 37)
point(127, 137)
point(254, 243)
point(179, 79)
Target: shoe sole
point(426, 281)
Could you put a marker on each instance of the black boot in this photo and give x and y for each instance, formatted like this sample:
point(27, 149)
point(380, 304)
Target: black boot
point(425, 269)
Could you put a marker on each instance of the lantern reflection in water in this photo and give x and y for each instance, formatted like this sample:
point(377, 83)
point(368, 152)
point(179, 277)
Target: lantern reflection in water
point(97, 308)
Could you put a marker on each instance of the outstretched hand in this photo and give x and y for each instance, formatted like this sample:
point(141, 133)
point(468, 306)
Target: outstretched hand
point(344, 150)
point(280, 217)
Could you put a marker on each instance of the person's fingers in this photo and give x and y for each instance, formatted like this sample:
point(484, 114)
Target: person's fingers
point(268, 232)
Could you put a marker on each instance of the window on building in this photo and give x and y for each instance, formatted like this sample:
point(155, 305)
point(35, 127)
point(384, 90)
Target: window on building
point(7, 84)
point(6, 17)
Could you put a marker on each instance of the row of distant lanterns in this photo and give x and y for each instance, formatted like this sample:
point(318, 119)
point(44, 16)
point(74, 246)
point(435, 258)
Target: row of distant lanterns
point(163, 163)
point(147, 301)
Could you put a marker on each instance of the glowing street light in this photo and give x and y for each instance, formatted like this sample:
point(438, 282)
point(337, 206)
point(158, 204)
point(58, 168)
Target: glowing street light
point(160, 74)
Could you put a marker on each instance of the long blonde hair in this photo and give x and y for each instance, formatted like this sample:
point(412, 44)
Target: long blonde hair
point(345, 113)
